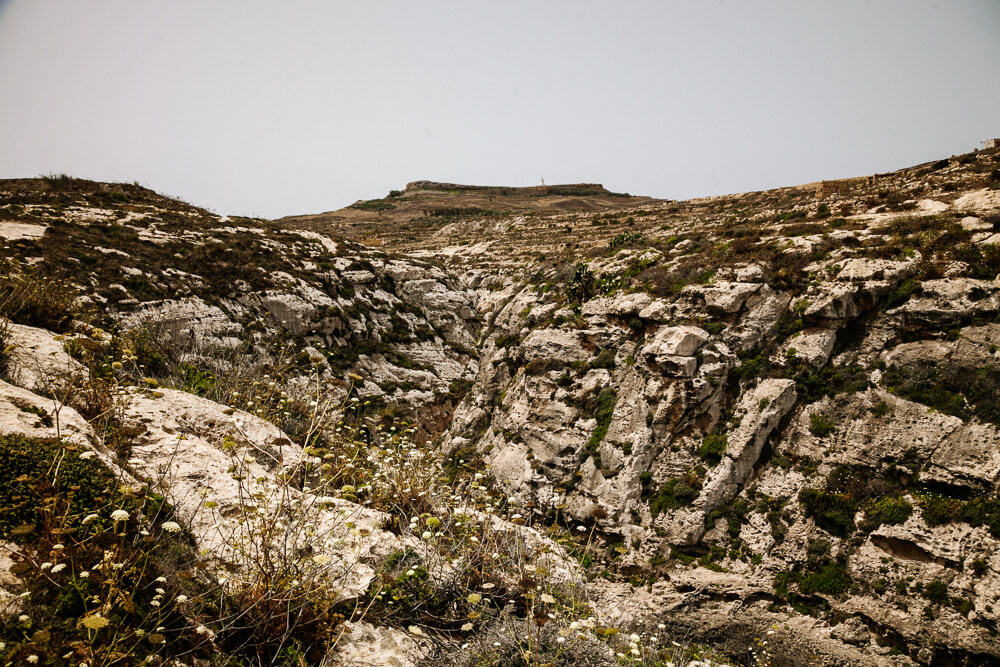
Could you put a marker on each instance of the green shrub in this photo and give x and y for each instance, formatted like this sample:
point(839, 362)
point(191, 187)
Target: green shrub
point(373, 205)
point(983, 511)
point(674, 493)
point(820, 425)
point(605, 359)
point(889, 510)
point(952, 390)
point(833, 512)
point(581, 284)
point(831, 579)
point(626, 238)
point(936, 591)
point(507, 340)
point(542, 365)
point(881, 409)
point(902, 293)
point(606, 401)
point(713, 448)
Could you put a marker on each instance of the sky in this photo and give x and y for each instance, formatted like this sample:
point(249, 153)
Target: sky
point(257, 107)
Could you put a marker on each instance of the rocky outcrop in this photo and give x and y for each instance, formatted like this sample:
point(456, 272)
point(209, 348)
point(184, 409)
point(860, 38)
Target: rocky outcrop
point(766, 409)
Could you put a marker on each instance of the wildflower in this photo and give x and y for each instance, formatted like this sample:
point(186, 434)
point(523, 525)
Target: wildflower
point(161, 580)
point(171, 526)
point(23, 618)
point(548, 599)
point(181, 598)
point(58, 547)
point(45, 566)
point(322, 559)
point(634, 639)
point(95, 622)
point(119, 515)
point(202, 630)
point(466, 627)
point(414, 630)
point(635, 651)
point(474, 598)
point(410, 573)
point(90, 517)
point(427, 535)
point(560, 639)
point(59, 567)
point(488, 585)
point(575, 625)
point(32, 658)
point(582, 529)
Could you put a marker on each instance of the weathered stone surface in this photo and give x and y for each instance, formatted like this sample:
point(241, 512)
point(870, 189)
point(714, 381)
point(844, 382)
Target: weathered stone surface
point(941, 303)
point(837, 303)
point(760, 411)
point(364, 645)
point(190, 448)
point(28, 414)
point(875, 269)
point(38, 360)
point(681, 341)
point(811, 345)
point(723, 297)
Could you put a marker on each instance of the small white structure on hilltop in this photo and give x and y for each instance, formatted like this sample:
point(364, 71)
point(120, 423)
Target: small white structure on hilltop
point(991, 143)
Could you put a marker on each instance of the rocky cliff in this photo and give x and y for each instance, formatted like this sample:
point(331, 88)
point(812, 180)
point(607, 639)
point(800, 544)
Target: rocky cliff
point(769, 417)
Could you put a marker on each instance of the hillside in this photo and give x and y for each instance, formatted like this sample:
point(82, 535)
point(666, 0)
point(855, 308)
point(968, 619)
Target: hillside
point(484, 425)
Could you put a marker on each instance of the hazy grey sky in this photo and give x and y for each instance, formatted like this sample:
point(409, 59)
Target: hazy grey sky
point(274, 108)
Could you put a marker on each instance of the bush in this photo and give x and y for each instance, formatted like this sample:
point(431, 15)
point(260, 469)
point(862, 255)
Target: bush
point(833, 512)
point(626, 238)
point(936, 591)
point(28, 297)
point(605, 359)
point(984, 511)
point(542, 365)
point(956, 391)
point(831, 579)
point(890, 511)
point(674, 493)
point(97, 561)
point(581, 284)
point(713, 448)
point(820, 425)
point(606, 401)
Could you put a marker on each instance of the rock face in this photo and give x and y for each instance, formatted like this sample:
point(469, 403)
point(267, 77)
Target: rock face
point(761, 407)
point(218, 469)
point(217, 291)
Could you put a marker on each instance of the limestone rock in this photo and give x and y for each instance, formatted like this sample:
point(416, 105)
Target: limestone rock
point(682, 341)
point(39, 360)
point(198, 454)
